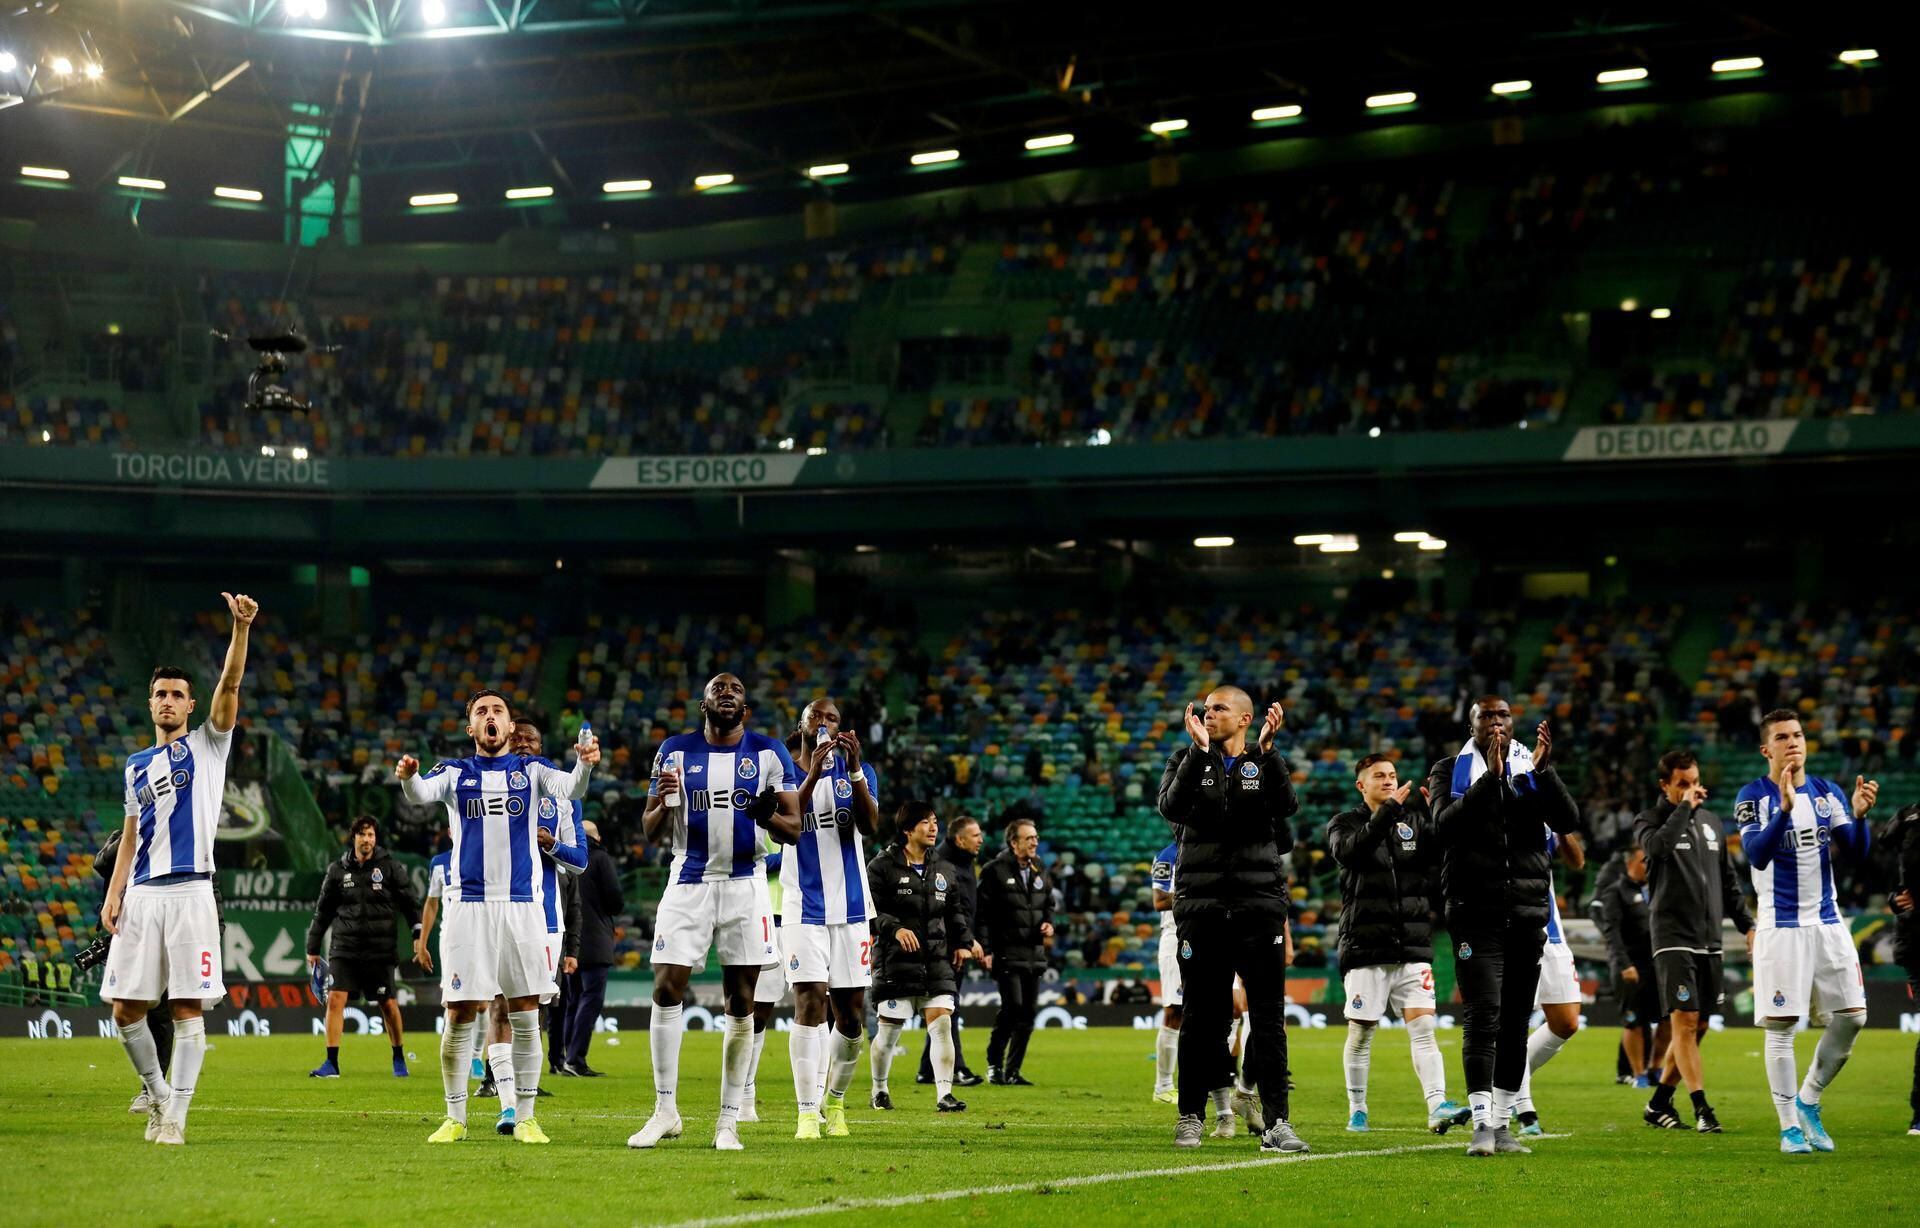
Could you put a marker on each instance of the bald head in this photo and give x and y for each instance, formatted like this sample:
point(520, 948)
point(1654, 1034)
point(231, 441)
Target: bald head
point(1235, 698)
point(1228, 713)
point(724, 703)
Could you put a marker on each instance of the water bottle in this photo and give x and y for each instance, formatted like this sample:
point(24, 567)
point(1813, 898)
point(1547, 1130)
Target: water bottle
point(586, 734)
point(673, 796)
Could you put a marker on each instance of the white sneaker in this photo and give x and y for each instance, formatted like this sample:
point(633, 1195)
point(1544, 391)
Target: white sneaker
point(726, 1138)
point(141, 1103)
point(172, 1134)
point(660, 1125)
point(156, 1116)
point(749, 1114)
point(1222, 1126)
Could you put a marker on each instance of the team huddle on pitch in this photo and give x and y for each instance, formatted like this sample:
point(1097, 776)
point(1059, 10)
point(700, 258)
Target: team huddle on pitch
point(731, 802)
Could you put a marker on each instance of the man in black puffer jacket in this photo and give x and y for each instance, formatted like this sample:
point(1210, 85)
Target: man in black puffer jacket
point(1383, 849)
point(1494, 804)
point(1013, 922)
point(959, 849)
point(1903, 838)
point(365, 890)
point(921, 935)
point(1229, 805)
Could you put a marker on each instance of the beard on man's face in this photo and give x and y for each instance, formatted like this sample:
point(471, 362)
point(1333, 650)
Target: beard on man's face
point(725, 720)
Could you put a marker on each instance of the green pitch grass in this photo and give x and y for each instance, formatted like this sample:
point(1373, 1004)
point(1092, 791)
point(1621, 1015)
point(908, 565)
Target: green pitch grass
point(268, 1145)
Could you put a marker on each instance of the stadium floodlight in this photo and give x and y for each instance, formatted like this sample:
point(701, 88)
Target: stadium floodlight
point(1400, 98)
point(827, 168)
point(786, 445)
point(7, 62)
point(933, 156)
point(1312, 539)
point(44, 172)
point(1745, 63)
point(1434, 544)
point(1660, 313)
point(1512, 87)
point(1629, 304)
point(1412, 535)
point(94, 71)
point(1342, 544)
point(1386, 573)
point(249, 194)
point(866, 549)
point(539, 193)
point(46, 436)
point(1213, 543)
point(1290, 111)
point(1053, 140)
point(299, 454)
point(1859, 55)
point(1100, 437)
point(1620, 76)
point(704, 182)
point(1373, 432)
point(62, 65)
point(266, 449)
point(433, 12)
point(145, 185)
point(1166, 127)
point(622, 187)
point(816, 451)
point(426, 200)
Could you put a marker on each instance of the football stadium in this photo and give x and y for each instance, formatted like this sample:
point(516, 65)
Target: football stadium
point(1023, 613)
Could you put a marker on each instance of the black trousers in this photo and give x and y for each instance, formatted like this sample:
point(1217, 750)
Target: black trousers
point(1213, 950)
point(559, 1019)
point(1913, 994)
point(1013, 1026)
point(160, 1023)
point(1498, 968)
point(926, 1053)
point(592, 988)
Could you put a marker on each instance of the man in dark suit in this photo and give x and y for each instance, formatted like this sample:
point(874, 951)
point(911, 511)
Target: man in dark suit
point(600, 903)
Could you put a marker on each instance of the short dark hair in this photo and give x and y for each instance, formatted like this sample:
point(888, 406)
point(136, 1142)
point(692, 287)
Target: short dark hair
point(965, 820)
point(1485, 701)
point(366, 821)
point(485, 692)
point(1014, 827)
point(1360, 769)
point(1676, 761)
point(909, 816)
point(1774, 717)
point(170, 671)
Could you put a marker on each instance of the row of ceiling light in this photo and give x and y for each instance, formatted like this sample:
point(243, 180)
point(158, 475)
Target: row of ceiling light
point(1339, 543)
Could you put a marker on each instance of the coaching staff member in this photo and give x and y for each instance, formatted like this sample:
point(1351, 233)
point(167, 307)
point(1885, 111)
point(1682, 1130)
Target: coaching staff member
point(958, 850)
point(1229, 805)
point(1693, 887)
point(601, 901)
point(1013, 907)
point(1493, 805)
point(1903, 838)
point(363, 893)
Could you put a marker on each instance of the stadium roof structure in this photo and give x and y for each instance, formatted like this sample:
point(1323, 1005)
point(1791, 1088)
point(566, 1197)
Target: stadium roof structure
point(575, 103)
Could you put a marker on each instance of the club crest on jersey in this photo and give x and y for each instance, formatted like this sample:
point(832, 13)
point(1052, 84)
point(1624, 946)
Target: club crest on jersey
point(1779, 997)
point(660, 944)
point(377, 876)
point(1632, 1018)
point(1683, 993)
point(843, 789)
point(1186, 950)
point(178, 752)
point(1357, 1003)
point(517, 780)
point(939, 881)
point(547, 808)
point(746, 769)
point(1250, 770)
point(794, 963)
point(1824, 807)
point(1466, 950)
point(1403, 830)
point(456, 980)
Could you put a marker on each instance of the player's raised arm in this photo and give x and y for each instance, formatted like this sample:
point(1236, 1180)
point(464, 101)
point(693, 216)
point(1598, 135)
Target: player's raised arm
point(226, 692)
point(424, 788)
point(586, 754)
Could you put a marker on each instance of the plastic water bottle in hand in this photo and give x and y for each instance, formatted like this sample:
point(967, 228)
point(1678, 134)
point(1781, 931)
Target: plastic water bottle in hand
point(673, 794)
point(586, 734)
point(822, 735)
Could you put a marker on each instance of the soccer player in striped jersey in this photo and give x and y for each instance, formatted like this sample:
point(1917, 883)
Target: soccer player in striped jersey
point(496, 942)
point(1804, 962)
point(829, 945)
point(712, 790)
point(1166, 1048)
point(1557, 993)
point(159, 906)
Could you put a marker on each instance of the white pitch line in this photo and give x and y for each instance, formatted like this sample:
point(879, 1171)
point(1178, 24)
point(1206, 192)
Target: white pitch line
point(1023, 1187)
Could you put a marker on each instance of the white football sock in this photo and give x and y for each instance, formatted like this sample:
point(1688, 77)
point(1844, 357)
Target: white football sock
point(940, 1037)
point(1482, 1105)
point(1427, 1064)
point(749, 1095)
point(1166, 1054)
point(663, 1038)
point(1781, 1075)
point(189, 1051)
point(844, 1051)
point(137, 1038)
point(500, 1066)
point(826, 1060)
point(803, 1055)
point(1832, 1053)
point(455, 1046)
point(1243, 1030)
point(1222, 1098)
point(736, 1053)
point(1356, 1057)
point(526, 1063)
point(1542, 1045)
point(1502, 1106)
point(880, 1056)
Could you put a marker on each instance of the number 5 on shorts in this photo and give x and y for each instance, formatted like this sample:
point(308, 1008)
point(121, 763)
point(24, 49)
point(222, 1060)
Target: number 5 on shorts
point(206, 963)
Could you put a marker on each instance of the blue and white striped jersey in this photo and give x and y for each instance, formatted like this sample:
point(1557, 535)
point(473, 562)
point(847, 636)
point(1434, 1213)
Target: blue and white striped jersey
point(492, 806)
point(1791, 852)
point(1164, 864)
point(437, 871)
point(713, 839)
point(174, 793)
point(823, 878)
point(560, 815)
point(1554, 933)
